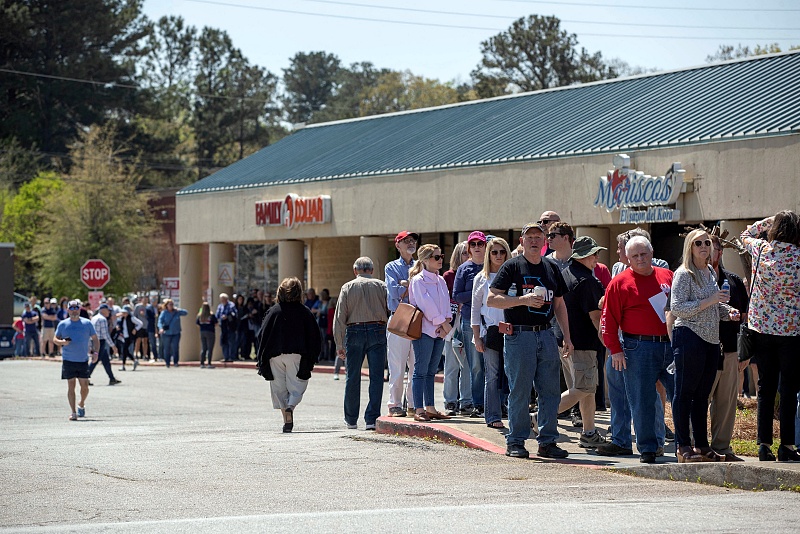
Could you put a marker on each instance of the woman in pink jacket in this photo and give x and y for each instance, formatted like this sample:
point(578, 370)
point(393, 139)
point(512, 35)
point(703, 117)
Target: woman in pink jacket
point(428, 291)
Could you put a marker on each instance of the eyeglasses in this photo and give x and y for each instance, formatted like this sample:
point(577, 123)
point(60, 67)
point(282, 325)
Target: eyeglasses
point(409, 241)
point(74, 308)
point(437, 257)
point(700, 243)
point(552, 235)
point(477, 244)
point(501, 252)
point(544, 221)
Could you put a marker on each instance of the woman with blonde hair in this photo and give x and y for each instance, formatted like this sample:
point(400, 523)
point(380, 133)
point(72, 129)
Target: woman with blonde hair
point(289, 343)
point(457, 381)
point(698, 306)
point(207, 322)
point(428, 292)
point(487, 336)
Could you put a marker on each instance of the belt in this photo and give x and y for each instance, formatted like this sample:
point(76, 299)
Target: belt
point(657, 339)
point(524, 328)
point(367, 322)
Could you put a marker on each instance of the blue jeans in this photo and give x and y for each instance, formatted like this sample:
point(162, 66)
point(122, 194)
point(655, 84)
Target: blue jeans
point(491, 395)
point(19, 346)
point(457, 381)
point(427, 353)
point(475, 364)
point(171, 343)
point(532, 359)
point(364, 340)
point(646, 361)
point(32, 337)
point(621, 410)
point(696, 363)
point(151, 346)
point(227, 341)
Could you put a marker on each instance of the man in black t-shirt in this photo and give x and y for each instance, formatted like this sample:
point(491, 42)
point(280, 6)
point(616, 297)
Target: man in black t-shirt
point(584, 294)
point(530, 290)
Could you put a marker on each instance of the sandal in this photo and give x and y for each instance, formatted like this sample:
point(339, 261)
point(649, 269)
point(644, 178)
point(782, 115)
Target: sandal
point(496, 424)
point(687, 455)
point(707, 454)
point(422, 417)
point(437, 415)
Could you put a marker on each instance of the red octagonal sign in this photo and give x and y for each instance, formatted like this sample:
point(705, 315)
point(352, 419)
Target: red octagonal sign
point(95, 274)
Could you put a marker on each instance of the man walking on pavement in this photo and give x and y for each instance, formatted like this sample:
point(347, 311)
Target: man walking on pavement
point(73, 336)
point(226, 316)
point(400, 352)
point(530, 289)
point(100, 323)
point(360, 330)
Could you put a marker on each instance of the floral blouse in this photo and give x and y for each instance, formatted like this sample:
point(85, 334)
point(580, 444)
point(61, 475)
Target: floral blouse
point(775, 300)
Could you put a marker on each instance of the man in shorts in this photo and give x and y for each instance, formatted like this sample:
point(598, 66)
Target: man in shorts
point(73, 335)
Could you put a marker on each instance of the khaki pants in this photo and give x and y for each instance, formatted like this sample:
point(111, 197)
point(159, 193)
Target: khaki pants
point(723, 404)
point(287, 390)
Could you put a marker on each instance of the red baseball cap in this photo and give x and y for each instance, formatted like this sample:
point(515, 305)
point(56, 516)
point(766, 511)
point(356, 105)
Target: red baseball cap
point(404, 234)
point(477, 235)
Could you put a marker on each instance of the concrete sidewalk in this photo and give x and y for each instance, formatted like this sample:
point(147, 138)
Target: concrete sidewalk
point(473, 433)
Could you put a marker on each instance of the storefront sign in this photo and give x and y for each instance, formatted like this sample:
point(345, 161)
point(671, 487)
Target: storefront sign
point(293, 211)
point(625, 188)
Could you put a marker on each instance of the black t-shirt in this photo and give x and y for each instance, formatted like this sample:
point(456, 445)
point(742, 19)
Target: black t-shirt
point(728, 330)
point(583, 293)
point(518, 277)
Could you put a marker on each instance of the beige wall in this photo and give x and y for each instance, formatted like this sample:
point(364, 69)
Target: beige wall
point(733, 180)
point(331, 262)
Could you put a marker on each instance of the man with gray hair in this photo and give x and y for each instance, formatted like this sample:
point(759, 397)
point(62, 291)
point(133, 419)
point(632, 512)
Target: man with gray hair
point(636, 304)
point(359, 329)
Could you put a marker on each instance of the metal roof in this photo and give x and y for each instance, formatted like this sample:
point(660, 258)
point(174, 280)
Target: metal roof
point(734, 100)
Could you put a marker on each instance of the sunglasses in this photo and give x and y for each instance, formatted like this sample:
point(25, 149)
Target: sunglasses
point(543, 221)
point(553, 235)
point(477, 244)
point(74, 308)
point(700, 243)
point(437, 257)
point(498, 252)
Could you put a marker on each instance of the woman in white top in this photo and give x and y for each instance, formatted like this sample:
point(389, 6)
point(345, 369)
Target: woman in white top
point(487, 338)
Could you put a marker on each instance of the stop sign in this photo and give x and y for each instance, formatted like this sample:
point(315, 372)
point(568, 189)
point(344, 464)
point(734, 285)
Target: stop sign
point(95, 274)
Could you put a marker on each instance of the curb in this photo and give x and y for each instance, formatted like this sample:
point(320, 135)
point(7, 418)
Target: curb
point(723, 474)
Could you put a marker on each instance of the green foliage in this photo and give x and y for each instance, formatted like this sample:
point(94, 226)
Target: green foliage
point(87, 39)
point(728, 52)
point(535, 53)
point(96, 214)
point(22, 224)
point(400, 91)
point(17, 164)
point(310, 83)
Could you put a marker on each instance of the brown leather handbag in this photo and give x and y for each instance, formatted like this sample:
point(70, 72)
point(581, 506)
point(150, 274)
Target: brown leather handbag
point(406, 321)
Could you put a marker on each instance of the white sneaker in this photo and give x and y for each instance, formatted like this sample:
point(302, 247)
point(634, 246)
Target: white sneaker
point(350, 427)
point(336, 376)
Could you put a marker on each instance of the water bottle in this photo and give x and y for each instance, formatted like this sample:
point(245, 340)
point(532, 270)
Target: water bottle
point(512, 291)
point(726, 286)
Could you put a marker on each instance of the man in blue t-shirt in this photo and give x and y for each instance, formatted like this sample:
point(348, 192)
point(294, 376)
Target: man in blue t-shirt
point(73, 336)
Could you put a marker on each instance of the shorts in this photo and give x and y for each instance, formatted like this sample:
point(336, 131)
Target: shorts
point(583, 365)
point(74, 370)
point(141, 334)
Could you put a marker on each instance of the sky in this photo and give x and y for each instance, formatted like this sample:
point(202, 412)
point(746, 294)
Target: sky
point(400, 35)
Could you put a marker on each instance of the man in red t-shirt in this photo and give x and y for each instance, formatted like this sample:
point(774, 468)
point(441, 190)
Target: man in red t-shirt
point(636, 303)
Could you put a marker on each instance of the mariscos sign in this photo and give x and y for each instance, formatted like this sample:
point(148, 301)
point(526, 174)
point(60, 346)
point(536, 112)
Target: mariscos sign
point(293, 211)
point(625, 188)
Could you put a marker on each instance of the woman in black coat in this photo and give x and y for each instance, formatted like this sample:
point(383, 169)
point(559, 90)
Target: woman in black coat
point(289, 343)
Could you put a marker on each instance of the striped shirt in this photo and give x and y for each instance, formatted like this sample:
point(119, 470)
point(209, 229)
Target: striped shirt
point(101, 327)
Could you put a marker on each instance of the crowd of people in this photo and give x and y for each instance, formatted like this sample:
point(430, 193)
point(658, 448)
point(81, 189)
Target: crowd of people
point(533, 333)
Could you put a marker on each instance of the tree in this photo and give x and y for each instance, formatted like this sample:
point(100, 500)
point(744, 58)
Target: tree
point(400, 91)
point(535, 53)
point(96, 214)
point(352, 84)
point(728, 52)
point(88, 39)
point(310, 82)
point(17, 164)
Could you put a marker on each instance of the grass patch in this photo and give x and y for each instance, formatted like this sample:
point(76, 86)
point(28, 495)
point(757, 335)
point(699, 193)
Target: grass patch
point(749, 447)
